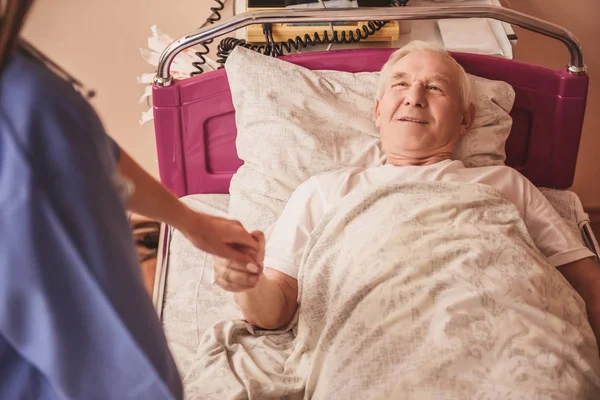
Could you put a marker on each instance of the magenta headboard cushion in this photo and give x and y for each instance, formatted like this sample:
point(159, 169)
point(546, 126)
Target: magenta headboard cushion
point(195, 120)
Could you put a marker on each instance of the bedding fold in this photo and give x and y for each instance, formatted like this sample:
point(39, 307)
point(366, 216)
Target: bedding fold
point(426, 290)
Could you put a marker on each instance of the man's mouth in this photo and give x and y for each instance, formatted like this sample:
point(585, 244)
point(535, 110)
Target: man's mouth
point(414, 120)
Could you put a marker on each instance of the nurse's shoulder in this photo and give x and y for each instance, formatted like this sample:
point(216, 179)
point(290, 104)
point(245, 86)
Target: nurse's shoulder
point(47, 118)
point(27, 81)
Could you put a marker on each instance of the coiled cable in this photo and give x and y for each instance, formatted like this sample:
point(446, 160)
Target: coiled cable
point(274, 49)
point(214, 17)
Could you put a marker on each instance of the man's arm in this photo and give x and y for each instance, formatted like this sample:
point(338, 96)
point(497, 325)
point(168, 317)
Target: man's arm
point(272, 303)
point(560, 245)
point(584, 276)
point(266, 297)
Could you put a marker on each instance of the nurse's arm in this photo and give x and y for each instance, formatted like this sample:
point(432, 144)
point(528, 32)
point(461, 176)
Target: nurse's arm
point(220, 236)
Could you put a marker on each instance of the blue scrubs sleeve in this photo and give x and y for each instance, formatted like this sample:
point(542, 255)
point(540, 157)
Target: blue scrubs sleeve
point(58, 312)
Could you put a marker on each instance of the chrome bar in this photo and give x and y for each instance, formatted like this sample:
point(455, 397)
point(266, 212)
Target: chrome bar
point(162, 264)
point(590, 240)
point(163, 77)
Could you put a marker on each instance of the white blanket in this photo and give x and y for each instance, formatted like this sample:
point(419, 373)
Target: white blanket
point(414, 291)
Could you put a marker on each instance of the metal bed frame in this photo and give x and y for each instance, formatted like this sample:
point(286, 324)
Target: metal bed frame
point(163, 77)
point(576, 66)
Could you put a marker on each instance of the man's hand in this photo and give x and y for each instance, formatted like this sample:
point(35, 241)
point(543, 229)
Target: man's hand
point(225, 238)
point(266, 297)
point(237, 275)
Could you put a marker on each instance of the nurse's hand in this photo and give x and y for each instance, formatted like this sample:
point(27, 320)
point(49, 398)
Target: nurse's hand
point(222, 237)
point(238, 277)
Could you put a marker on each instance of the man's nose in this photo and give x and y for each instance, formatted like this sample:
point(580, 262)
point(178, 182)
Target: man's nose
point(415, 96)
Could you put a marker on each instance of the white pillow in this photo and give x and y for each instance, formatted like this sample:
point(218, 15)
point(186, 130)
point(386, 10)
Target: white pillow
point(293, 123)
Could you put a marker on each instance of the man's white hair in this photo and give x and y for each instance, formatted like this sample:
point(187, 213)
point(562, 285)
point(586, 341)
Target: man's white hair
point(417, 45)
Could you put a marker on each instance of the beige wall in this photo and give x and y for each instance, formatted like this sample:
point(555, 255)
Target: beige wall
point(581, 18)
point(98, 42)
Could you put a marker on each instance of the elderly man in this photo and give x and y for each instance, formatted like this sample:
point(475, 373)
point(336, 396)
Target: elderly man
point(422, 111)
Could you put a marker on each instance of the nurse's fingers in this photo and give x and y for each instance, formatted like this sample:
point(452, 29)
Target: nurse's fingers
point(239, 254)
point(260, 239)
point(233, 232)
point(222, 264)
point(234, 281)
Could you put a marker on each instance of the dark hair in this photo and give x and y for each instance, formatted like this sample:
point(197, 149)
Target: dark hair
point(12, 18)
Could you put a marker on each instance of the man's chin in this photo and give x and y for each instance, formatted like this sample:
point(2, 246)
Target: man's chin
point(414, 147)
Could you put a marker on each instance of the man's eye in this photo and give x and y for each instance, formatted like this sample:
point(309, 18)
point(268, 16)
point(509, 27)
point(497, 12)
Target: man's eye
point(433, 87)
point(400, 84)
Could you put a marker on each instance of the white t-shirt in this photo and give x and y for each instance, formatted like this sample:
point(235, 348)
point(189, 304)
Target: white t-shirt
point(313, 199)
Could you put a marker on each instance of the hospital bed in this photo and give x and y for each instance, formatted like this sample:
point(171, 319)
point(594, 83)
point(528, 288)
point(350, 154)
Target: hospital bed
point(196, 130)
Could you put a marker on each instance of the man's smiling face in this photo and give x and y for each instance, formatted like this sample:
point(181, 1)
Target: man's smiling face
point(420, 112)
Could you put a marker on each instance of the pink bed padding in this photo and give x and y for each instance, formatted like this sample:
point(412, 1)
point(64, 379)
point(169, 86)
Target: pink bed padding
point(195, 119)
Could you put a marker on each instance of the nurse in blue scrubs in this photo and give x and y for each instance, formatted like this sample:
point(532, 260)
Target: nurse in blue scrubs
point(75, 319)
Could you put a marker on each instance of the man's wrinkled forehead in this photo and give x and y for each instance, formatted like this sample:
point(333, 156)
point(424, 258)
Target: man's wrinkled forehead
point(425, 64)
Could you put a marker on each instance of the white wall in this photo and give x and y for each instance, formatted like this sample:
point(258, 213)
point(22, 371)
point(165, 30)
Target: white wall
point(98, 42)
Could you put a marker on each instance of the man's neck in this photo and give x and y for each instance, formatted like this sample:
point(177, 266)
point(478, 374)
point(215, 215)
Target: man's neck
point(403, 161)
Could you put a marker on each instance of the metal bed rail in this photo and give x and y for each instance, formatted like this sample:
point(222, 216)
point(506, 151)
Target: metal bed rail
point(160, 274)
point(576, 65)
point(589, 239)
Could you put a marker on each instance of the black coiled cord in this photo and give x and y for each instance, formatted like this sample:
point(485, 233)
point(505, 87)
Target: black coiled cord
point(271, 48)
point(214, 17)
point(231, 43)
point(345, 37)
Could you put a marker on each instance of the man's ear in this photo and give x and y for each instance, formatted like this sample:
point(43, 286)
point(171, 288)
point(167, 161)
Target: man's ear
point(468, 119)
point(377, 113)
